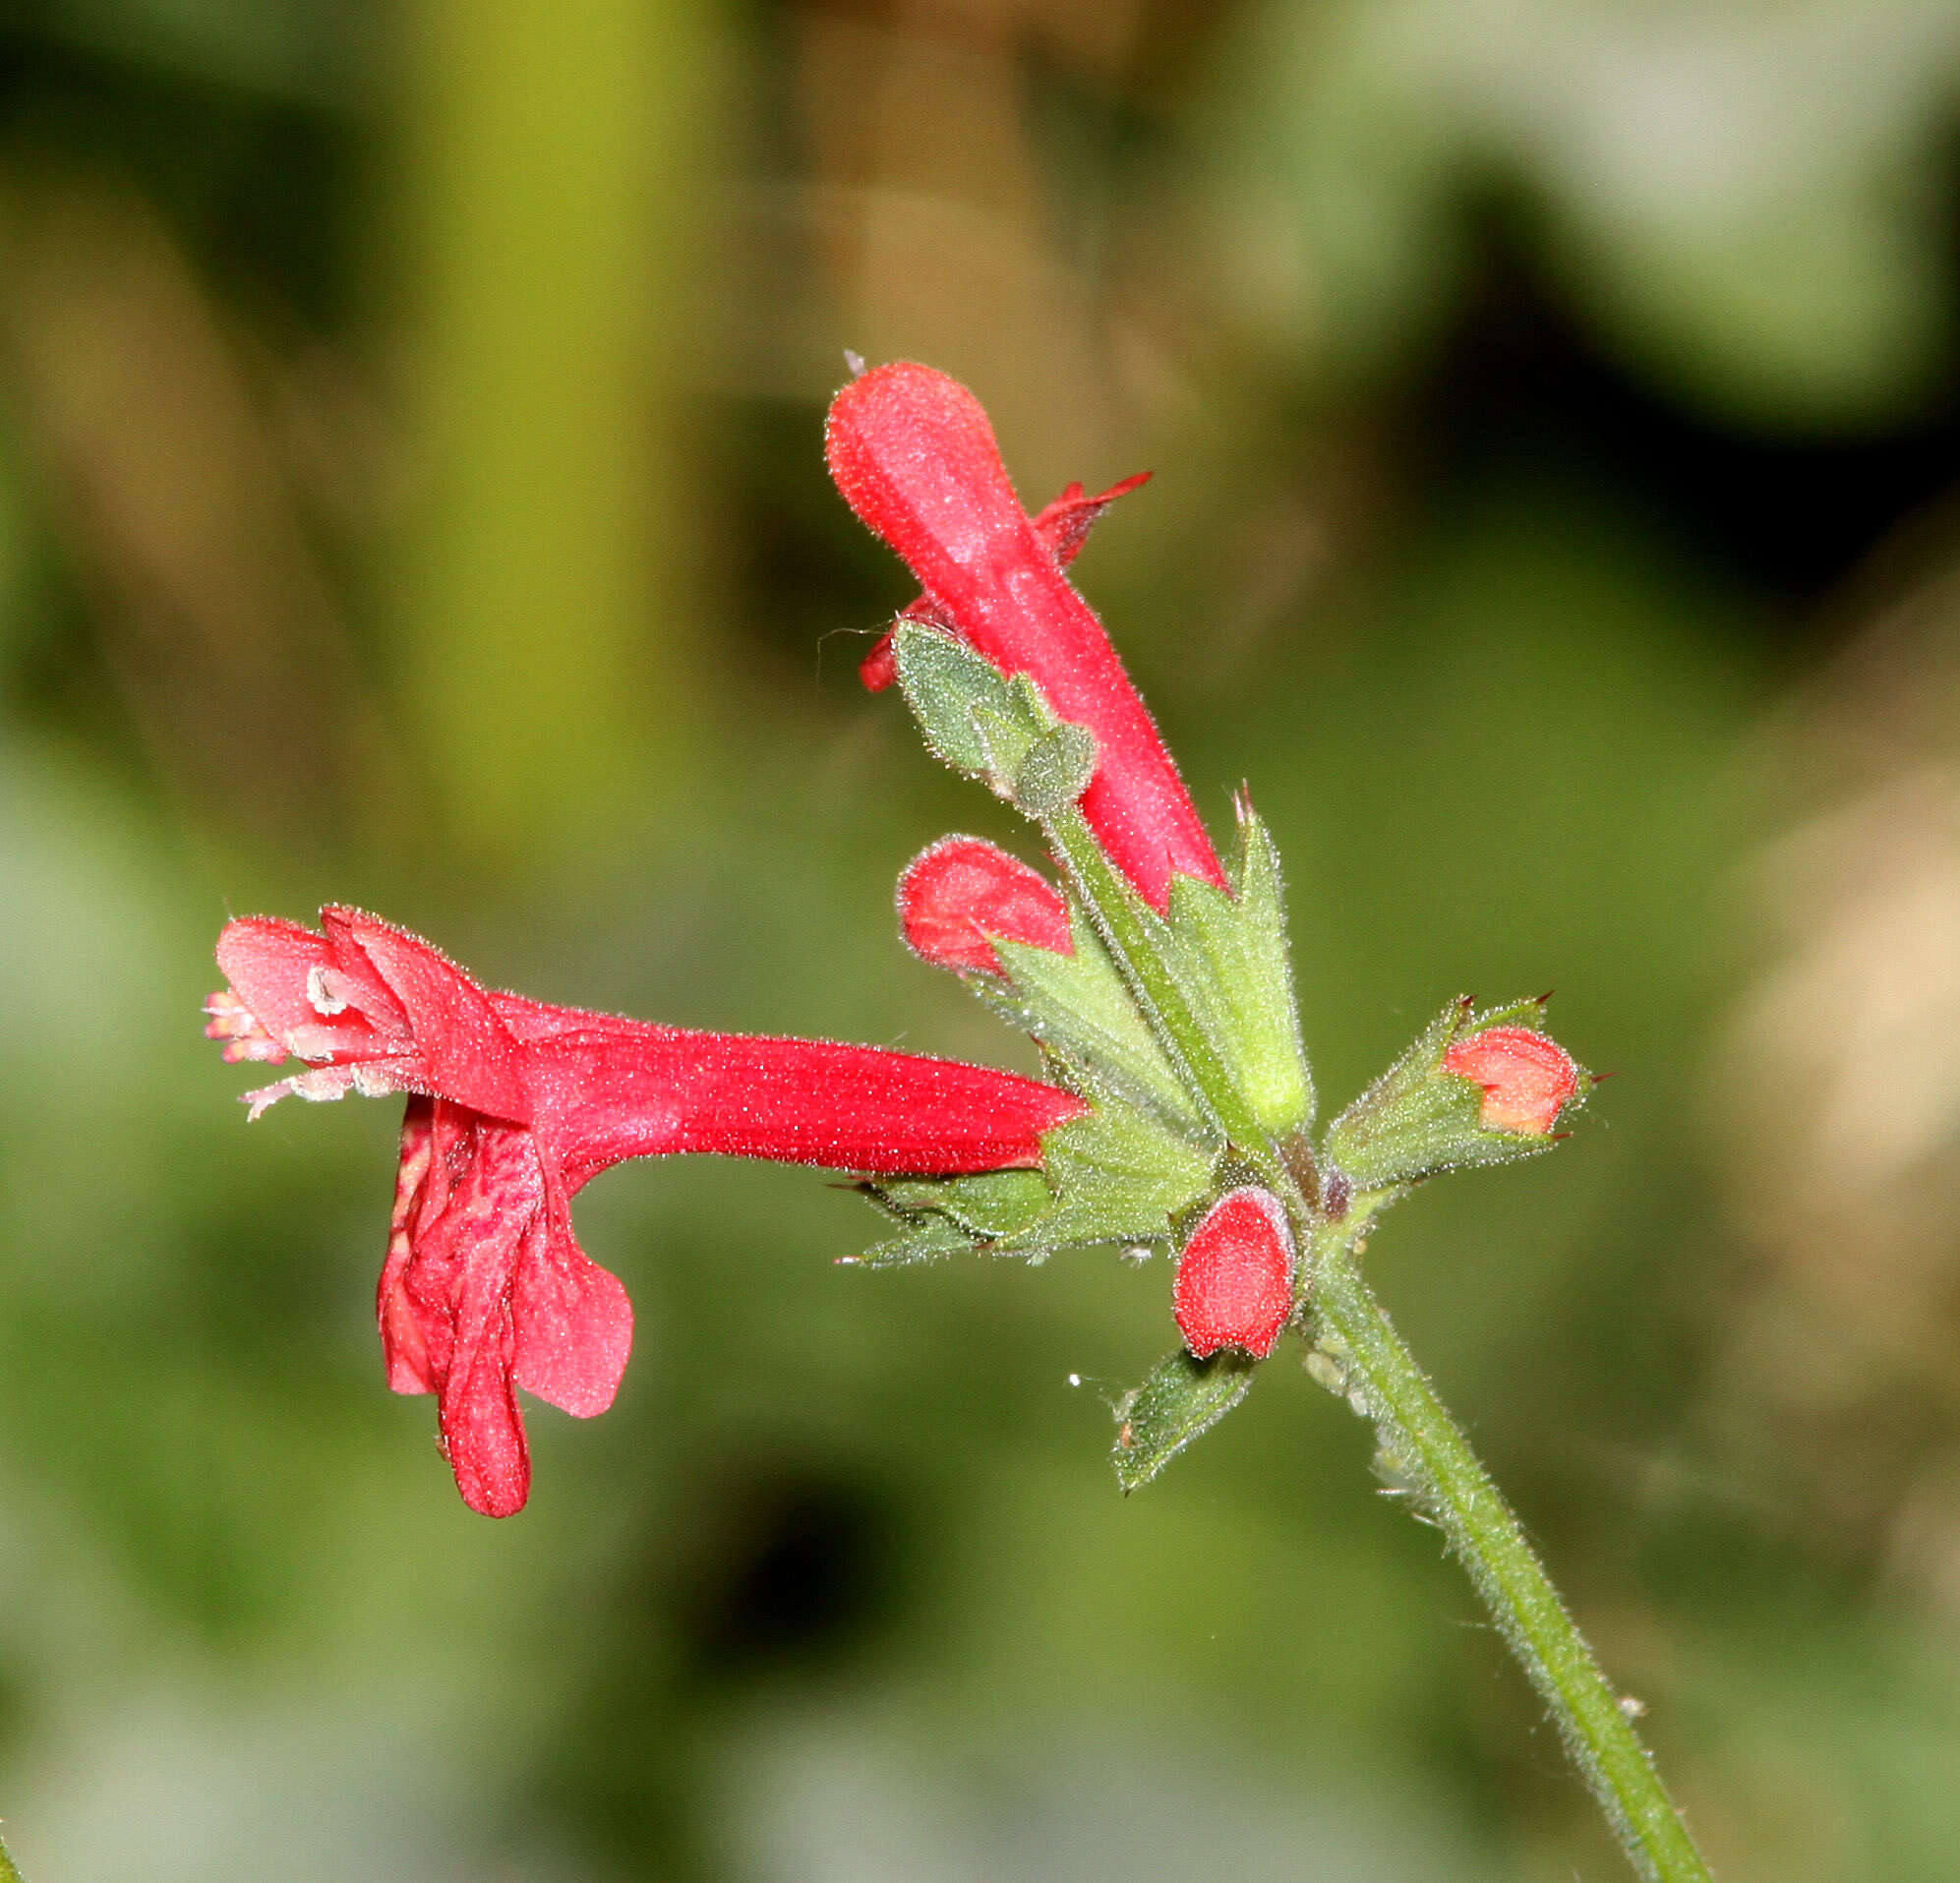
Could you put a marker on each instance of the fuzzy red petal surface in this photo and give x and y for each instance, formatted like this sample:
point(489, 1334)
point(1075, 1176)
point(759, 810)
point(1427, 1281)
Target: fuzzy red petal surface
point(470, 1215)
point(1063, 525)
point(470, 1055)
point(1528, 1078)
point(633, 1091)
point(574, 1322)
point(1234, 1284)
point(961, 891)
point(421, 1180)
point(281, 973)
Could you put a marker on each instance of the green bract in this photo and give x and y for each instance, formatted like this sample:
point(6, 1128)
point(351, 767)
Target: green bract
point(1182, 1398)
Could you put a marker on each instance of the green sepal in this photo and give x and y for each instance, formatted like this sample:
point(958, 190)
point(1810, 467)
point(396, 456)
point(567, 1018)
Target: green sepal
point(1117, 1174)
point(1181, 1399)
point(932, 1238)
point(1054, 771)
point(1123, 1163)
point(991, 1203)
point(1418, 1120)
point(1081, 1009)
point(1240, 937)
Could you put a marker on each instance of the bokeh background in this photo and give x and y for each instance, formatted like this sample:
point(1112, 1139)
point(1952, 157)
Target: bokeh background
point(410, 494)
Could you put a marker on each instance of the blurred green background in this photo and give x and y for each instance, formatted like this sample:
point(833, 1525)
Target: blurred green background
point(410, 494)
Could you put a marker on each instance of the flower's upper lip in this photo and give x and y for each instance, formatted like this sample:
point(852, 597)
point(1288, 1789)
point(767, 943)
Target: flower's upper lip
point(361, 994)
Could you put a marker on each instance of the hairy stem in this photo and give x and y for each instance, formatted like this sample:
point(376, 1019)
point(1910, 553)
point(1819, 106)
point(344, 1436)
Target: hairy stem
point(7, 1873)
point(1429, 1453)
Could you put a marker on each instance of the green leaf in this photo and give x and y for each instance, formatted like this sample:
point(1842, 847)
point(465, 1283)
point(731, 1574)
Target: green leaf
point(1181, 1399)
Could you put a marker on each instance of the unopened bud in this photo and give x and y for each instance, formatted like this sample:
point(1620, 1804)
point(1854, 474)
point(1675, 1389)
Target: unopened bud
point(1476, 1088)
point(1527, 1080)
point(1235, 1277)
point(957, 897)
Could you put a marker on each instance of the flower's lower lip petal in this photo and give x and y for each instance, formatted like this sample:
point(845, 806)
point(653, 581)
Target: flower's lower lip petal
point(483, 1435)
point(575, 1333)
point(411, 1367)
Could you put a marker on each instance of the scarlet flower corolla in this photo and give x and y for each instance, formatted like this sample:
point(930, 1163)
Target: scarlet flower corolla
point(516, 1104)
point(1527, 1079)
point(913, 455)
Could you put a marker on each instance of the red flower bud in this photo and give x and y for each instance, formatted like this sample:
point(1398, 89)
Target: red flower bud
point(1234, 1283)
point(1527, 1079)
point(913, 455)
point(962, 892)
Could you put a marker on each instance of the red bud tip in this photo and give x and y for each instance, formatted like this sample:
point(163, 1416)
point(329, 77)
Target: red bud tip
point(1234, 1283)
point(1526, 1078)
point(955, 895)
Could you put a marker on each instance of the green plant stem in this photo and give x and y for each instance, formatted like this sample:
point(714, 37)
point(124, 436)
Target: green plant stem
point(7, 1873)
point(1454, 1490)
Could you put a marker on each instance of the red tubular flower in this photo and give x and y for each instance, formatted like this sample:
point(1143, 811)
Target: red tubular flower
point(516, 1105)
point(913, 455)
point(1527, 1079)
point(1234, 1283)
point(955, 895)
point(1063, 524)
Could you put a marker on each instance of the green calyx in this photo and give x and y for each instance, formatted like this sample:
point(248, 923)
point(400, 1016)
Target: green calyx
point(1420, 1119)
point(1116, 1175)
point(1239, 940)
point(1182, 1399)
